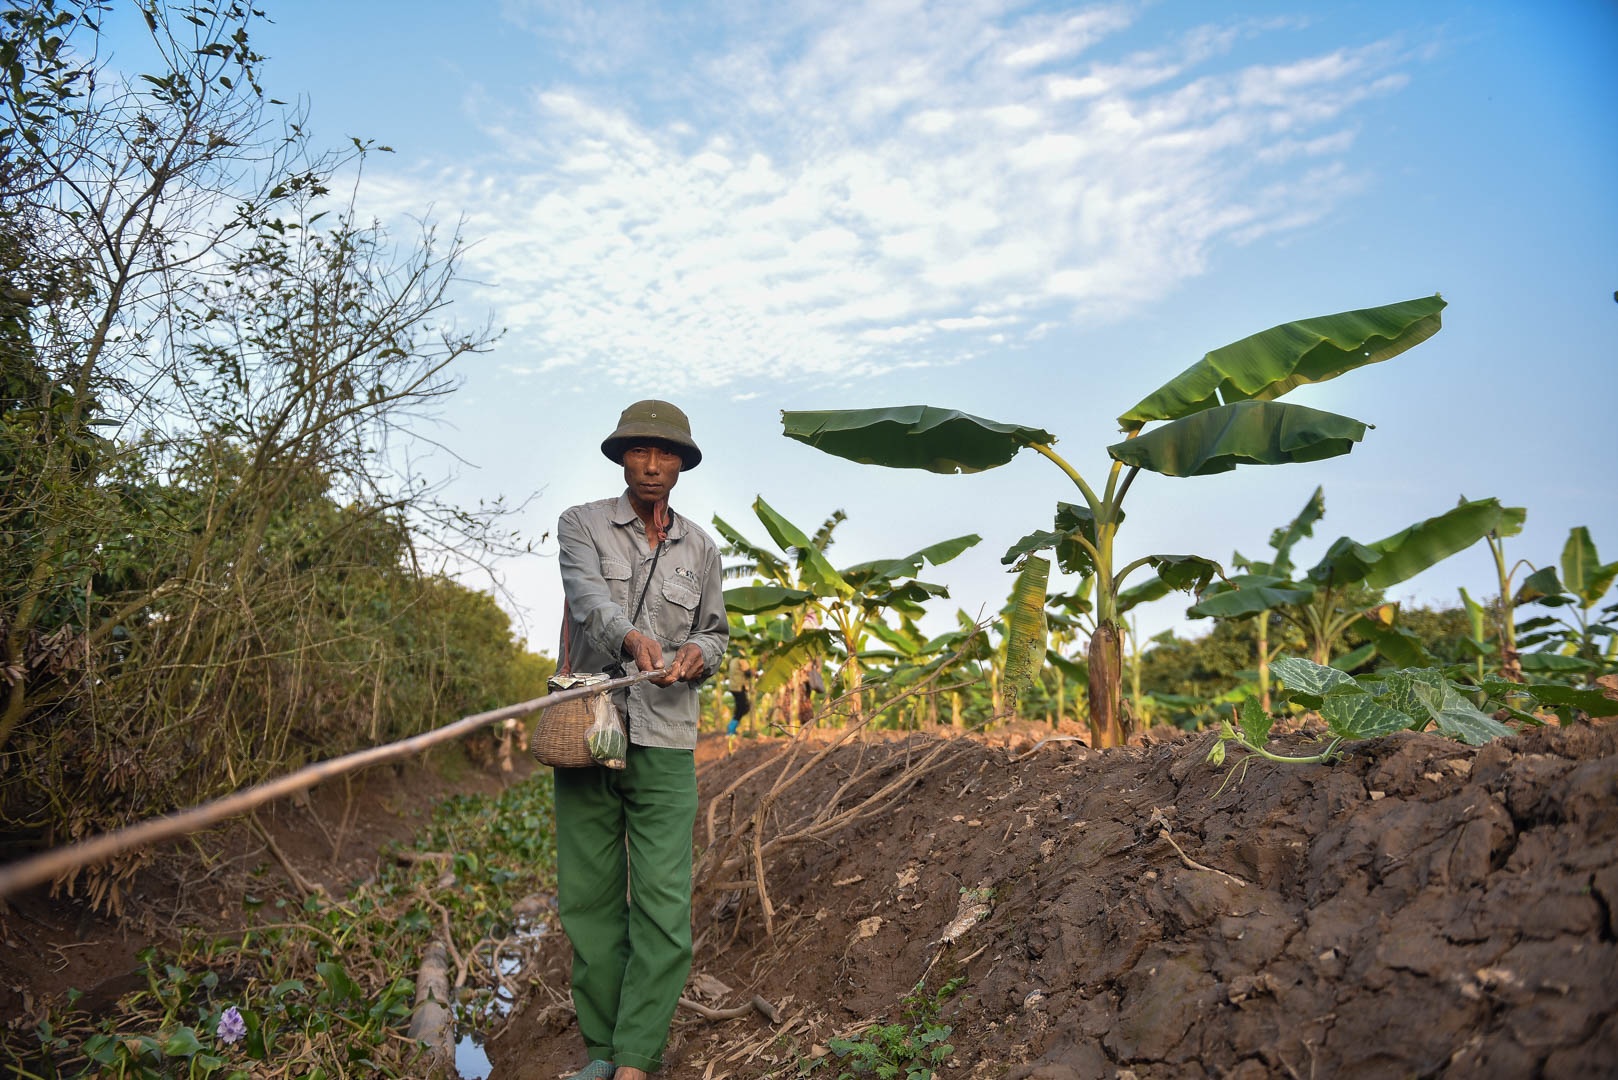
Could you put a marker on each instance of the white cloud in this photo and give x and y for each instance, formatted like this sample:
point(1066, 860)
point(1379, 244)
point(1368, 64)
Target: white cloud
point(884, 184)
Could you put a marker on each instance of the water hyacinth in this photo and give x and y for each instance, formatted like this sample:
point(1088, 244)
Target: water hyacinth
point(232, 1028)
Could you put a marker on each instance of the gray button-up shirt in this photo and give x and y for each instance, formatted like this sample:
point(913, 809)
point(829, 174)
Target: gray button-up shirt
point(605, 562)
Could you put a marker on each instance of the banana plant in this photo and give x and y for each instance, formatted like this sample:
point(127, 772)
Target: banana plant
point(1219, 413)
point(1272, 576)
point(1329, 600)
point(1576, 646)
point(847, 603)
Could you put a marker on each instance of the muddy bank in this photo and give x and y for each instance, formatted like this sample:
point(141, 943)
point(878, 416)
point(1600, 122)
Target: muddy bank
point(1421, 908)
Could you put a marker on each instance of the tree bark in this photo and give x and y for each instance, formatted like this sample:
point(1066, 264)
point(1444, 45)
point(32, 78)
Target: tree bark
point(1106, 690)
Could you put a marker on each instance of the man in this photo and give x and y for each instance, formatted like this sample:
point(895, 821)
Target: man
point(740, 681)
point(642, 586)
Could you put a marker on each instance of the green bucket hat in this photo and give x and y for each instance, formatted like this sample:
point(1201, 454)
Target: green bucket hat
point(652, 419)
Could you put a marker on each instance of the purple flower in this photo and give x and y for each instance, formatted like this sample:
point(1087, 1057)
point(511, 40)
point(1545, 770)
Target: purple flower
point(231, 1026)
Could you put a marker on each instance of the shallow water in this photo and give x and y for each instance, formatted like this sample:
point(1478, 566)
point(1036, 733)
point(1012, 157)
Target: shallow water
point(471, 1060)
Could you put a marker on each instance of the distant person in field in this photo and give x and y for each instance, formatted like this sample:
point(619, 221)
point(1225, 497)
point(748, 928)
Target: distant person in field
point(642, 587)
point(740, 683)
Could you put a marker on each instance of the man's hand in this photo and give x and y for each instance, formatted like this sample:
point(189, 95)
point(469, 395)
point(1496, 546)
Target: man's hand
point(648, 656)
point(645, 651)
point(688, 665)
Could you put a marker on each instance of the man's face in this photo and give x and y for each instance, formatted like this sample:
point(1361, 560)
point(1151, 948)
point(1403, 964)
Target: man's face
point(651, 470)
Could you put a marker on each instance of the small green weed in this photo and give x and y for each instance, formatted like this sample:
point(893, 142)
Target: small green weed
point(903, 1051)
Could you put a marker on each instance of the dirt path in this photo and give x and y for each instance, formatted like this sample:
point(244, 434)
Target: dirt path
point(1421, 909)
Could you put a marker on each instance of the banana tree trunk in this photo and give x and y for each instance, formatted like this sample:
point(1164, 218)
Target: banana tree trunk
point(1262, 626)
point(1061, 697)
point(1506, 616)
point(1106, 689)
point(1136, 714)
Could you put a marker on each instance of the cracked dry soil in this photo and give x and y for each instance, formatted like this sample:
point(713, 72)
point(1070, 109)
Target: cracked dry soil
point(1421, 908)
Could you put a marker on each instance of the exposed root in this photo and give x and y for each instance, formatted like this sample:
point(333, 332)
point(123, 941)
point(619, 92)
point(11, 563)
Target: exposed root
point(1192, 864)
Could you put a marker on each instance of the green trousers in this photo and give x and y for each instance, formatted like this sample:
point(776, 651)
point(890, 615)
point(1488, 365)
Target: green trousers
point(623, 884)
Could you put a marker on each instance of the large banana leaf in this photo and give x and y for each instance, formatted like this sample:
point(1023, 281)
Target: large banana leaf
point(1345, 562)
point(880, 571)
point(1410, 551)
point(1025, 626)
point(764, 599)
point(817, 571)
point(1072, 521)
point(906, 640)
point(1217, 440)
point(1542, 585)
point(783, 663)
point(1249, 594)
point(1266, 365)
point(1189, 573)
point(1399, 645)
point(1582, 570)
point(913, 437)
point(1070, 669)
point(1299, 527)
point(905, 597)
point(1142, 592)
point(1185, 572)
point(769, 564)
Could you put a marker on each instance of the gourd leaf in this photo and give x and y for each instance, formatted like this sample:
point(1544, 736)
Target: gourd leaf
point(1359, 716)
point(1308, 683)
point(1255, 722)
point(1025, 626)
point(1217, 440)
point(1265, 365)
point(1460, 719)
point(913, 437)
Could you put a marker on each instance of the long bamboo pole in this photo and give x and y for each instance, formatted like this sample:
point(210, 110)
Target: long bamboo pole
point(38, 869)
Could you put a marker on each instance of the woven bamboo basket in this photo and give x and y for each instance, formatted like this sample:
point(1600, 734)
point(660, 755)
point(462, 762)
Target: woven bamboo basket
point(558, 736)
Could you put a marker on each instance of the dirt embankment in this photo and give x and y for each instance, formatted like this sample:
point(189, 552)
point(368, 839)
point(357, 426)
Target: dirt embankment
point(1419, 909)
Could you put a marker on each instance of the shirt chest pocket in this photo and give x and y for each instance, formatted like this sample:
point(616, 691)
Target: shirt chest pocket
point(616, 574)
point(677, 610)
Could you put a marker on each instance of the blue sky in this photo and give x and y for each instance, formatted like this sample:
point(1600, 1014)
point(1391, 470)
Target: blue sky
point(1033, 212)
